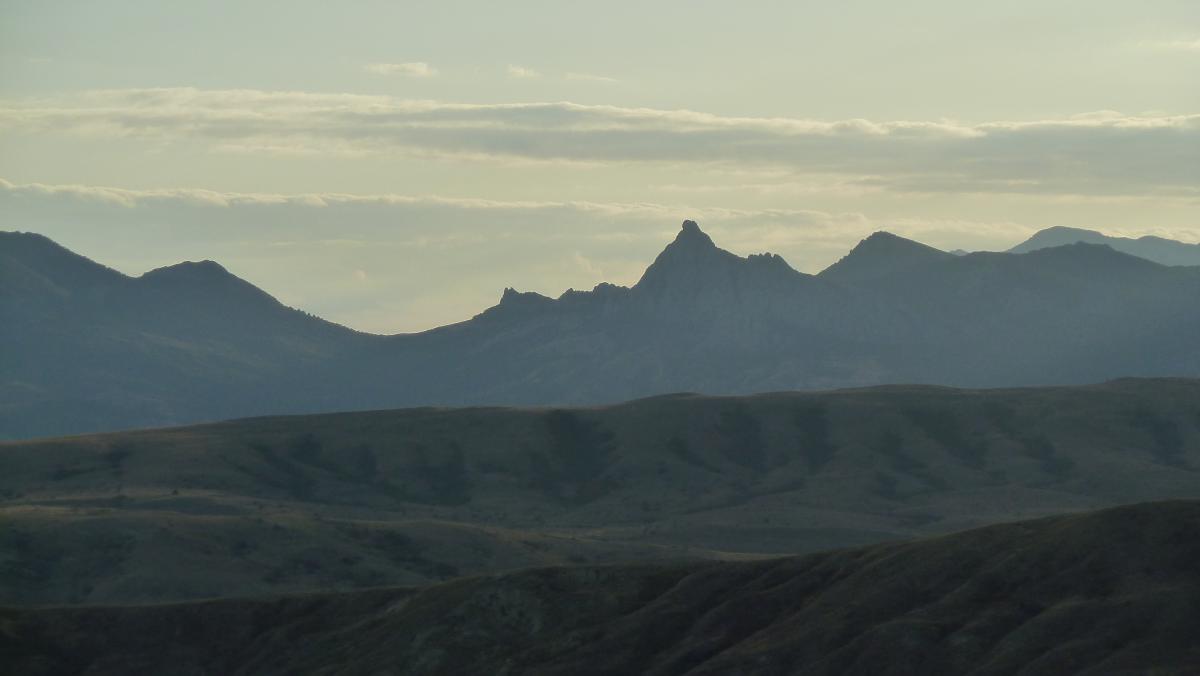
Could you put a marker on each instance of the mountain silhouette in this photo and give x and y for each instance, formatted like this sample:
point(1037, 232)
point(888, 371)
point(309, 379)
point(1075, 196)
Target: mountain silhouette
point(692, 265)
point(88, 348)
point(880, 255)
point(1157, 249)
point(85, 348)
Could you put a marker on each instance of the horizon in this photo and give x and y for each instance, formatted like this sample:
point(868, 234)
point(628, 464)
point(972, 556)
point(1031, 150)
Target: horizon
point(552, 294)
point(408, 176)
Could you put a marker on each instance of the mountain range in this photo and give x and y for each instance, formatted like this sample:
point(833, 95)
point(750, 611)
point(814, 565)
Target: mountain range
point(84, 348)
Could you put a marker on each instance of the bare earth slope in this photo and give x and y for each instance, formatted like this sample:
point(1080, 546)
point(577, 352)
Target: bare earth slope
point(1109, 592)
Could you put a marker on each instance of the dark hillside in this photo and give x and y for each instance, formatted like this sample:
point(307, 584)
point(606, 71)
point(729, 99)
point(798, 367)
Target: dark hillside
point(413, 496)
point(1110, 592)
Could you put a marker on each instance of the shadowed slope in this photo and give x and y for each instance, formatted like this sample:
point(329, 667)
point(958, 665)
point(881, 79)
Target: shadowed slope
point(1108, 592)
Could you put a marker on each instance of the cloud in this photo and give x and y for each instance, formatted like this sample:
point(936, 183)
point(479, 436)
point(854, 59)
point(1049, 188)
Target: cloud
point(521, 72)
point(410, 69)
point(437, 218)
point(1174, 45)
point(585, 77)
point(198, 197)
point(1095, 154)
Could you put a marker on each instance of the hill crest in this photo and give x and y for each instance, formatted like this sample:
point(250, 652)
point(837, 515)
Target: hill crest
point(880, 255)
point(1158, 249)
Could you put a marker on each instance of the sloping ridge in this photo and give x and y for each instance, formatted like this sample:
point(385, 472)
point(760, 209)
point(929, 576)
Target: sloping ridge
point(880, 255)
point(206, 284)
point(1158, 249)
point(1114, 591)
point(27, 256)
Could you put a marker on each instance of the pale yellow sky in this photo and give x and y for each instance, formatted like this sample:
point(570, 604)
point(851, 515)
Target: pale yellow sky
point(393, 168)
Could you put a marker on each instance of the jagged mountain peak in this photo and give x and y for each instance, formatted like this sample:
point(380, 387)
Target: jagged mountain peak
point(690, 232)
point(692, 238)
point(689, 267)
point(767, 258)
point(515, 303)
point(691, 260)
point(513, 297)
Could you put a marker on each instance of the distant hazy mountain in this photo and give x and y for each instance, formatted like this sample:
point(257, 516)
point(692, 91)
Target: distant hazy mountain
point(1157, 249)
point(1108, 592)
point(880, 255)
point(84, 348)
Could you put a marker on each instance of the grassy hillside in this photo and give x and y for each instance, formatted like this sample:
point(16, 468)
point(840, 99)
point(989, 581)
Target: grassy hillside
point(412, 496)
point(1110, 592)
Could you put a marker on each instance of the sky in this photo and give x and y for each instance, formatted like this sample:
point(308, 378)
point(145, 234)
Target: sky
point(394, 166)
